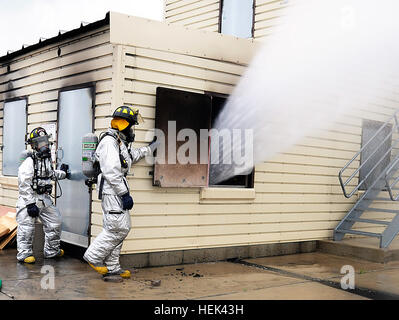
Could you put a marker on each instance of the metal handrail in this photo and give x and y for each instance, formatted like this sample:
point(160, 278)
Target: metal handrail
point(348, 180)
point(390, 186)
point(365, 161)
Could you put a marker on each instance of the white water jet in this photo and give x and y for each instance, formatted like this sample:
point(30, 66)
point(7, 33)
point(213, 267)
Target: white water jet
point(326, 58)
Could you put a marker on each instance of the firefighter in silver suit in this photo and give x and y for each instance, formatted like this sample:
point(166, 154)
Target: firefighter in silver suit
point(115, 159)
point(35, 174)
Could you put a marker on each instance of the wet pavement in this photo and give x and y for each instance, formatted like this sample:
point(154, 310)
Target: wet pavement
point(312, 276)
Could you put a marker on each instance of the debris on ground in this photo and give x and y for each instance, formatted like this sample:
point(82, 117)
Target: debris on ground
point(8, 229)
point(155, 283)
point(113, 278)
point(193, 274)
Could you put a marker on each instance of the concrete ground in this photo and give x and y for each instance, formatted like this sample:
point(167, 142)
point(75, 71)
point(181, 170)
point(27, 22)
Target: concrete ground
point(364, 248)
point(308, 276)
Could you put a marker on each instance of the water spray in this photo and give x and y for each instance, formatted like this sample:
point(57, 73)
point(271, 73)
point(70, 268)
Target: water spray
point(326, 60)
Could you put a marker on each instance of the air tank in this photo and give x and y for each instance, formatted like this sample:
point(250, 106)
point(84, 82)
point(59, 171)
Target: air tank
point(89, 145)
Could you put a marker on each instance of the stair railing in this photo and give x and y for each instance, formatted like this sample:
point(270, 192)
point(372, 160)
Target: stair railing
point(388, 177)
point(344, 184)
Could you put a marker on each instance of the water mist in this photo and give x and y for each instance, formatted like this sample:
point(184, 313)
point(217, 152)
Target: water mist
point(325, 58)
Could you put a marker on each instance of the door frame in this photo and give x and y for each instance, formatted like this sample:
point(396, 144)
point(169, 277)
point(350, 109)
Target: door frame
point(92, 87)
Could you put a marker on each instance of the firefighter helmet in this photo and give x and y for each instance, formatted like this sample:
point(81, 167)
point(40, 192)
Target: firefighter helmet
point(39, 140)
point(35, 134)
point(131, 115)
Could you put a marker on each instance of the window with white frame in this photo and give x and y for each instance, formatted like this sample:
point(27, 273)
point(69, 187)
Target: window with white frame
point(237, 18)
point(14, 134)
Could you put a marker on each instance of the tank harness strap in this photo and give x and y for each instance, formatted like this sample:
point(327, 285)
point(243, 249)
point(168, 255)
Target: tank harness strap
point(35, 178)
point(123, 162)
point(100, 188)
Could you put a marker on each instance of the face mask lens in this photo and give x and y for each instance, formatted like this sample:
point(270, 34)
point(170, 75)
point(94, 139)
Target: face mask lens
point(129, 134)
point(41, 143)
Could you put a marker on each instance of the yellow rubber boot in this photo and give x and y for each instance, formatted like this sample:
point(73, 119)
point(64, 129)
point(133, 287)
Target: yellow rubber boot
point(61, 254)
point(125, 274)
point(30, 260)
point(100, 270)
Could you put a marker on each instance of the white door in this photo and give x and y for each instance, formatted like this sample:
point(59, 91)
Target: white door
point(75, 119)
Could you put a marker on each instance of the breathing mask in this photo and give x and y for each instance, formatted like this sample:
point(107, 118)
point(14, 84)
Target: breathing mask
point(129, 134)
point(42, 146)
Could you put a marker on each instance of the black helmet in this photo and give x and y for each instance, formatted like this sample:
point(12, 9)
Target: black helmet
point(129, 114)
point(39, 140)
point(36, 133)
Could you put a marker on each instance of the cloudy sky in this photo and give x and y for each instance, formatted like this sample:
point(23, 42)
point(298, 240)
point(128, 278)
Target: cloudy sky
point(25, 21)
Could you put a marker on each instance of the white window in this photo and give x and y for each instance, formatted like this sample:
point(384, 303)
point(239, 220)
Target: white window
point(237, 18)
point(14, 134)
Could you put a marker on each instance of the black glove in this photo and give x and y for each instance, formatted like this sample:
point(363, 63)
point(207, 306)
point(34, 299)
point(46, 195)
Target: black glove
point(154, 144)
point(127, 201)
point(64, 167)
point(33, 210)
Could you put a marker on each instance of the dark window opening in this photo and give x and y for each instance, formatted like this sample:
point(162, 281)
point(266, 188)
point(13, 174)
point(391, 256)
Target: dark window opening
point(244, 181)
point(192, 111)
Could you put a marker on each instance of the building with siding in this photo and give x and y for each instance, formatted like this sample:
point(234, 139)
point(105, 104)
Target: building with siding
point(293, 198)
point(206, 14)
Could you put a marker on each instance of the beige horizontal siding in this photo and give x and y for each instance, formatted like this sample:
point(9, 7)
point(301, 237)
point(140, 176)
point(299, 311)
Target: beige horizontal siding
point(41, 74)
point(267, 16)
point(203, 15)
point(298, 195)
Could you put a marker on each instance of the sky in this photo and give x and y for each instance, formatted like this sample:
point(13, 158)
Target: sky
point(26, 21)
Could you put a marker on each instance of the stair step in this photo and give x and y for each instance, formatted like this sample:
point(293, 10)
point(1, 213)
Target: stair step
point(378, 188)
point(378, 210)
point(379, 199)
point(362, 233)
point(369, 221)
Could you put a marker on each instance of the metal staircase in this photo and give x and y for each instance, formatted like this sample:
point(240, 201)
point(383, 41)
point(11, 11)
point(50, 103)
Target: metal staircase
point(381, 164)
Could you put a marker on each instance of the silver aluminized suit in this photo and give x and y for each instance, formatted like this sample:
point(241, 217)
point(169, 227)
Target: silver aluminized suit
point(105, 249)
point(49, 214)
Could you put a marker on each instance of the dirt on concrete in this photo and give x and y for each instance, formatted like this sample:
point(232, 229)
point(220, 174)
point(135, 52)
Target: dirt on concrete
point(292, 277)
